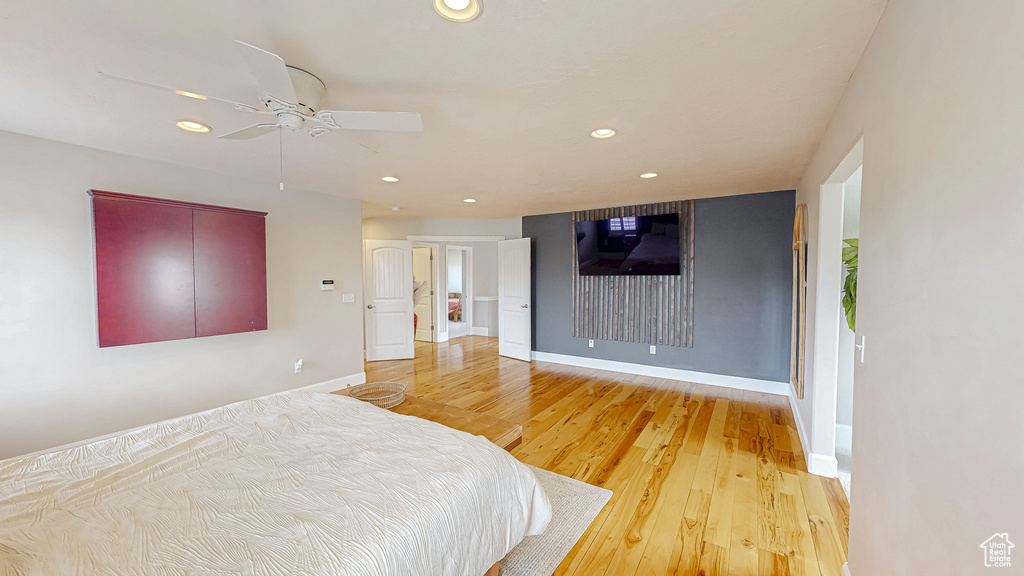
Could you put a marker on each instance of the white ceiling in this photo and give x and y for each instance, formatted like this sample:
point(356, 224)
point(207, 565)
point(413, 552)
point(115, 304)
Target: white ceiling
point(718, 97)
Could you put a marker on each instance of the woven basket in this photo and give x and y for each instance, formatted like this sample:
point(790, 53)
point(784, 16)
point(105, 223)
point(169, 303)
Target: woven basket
point(380, 394)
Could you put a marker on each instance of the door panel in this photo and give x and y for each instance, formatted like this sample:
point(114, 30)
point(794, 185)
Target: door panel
point(231, 272)
point(423, 271)
point(515, 325)
point(388, 307)
point(144, 272)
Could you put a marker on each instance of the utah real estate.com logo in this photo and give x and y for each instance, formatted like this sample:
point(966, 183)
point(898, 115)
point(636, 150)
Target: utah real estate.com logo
point(997, 550)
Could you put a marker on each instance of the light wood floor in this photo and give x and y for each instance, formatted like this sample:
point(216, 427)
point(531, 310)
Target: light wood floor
point(706, 480)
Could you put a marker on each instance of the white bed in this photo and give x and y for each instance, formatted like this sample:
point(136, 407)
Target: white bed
point(295, 483)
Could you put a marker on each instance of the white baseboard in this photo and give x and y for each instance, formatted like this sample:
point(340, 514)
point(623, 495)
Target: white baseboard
point(336, 383)
point(477, 331)
point(844, 436)
point(822, 465)
point(801, 429)
point(846, 569)
point(442, 337)
point(328, 386)
point(817, 464)
point(737, 382)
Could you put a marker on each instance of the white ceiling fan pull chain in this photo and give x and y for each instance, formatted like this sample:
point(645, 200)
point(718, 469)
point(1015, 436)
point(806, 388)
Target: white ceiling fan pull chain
point(280, 149)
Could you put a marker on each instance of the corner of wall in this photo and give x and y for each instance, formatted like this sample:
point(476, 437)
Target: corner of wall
point(817, 464)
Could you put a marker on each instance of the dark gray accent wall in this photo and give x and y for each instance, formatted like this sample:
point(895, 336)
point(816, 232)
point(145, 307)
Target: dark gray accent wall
point(743, 282)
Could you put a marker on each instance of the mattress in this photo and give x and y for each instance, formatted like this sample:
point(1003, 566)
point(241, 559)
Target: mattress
point(295, 483)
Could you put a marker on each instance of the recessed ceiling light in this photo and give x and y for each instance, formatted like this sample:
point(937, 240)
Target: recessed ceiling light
point(458, 10)
point(649, 175)
point(469, 200)
point(395, 208)
point(602, 133)
point(193, 126)
point(389, 179)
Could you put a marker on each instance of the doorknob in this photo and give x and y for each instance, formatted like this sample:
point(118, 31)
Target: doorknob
point(370, 306)
point(523, 306)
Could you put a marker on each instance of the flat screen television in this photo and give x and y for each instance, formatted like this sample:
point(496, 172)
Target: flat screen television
point(629, 246)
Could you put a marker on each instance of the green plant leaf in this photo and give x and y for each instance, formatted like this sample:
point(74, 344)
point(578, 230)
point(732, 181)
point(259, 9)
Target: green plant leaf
point(850, 260)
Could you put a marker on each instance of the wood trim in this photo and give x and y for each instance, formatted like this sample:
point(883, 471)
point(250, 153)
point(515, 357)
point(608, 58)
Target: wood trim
point(798, 333)
point(621, 308)
point(166, 202)
point(449, 239)
point(493, 571)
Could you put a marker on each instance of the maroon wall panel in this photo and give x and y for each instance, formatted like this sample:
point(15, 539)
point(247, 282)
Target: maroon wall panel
point(231, 272)
point(144, 272)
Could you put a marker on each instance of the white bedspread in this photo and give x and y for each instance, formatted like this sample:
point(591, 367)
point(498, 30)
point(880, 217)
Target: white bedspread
point(296, 483)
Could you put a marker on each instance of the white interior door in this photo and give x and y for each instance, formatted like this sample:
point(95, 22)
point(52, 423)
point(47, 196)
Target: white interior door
point(515, 327)
point(423, 271)
point(387, 270)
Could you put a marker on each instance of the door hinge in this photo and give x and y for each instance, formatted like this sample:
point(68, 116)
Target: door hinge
point(431, 327)
point(431, 292)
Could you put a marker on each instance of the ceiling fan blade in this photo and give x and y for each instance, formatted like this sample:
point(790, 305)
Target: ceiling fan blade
point(393, 121)
point(185, 93)
point(269, 71)
point(250, 132)
point(349, 148)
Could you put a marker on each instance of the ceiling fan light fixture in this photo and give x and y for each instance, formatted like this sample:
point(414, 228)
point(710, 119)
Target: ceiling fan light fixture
point(458, 10)
point(389, 179)
point(602, 133)
point(649, 175)
point(193, 126)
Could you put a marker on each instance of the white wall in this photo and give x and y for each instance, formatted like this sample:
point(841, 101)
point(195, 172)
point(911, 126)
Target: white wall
point(57, 386)
point(938, 425)
point(400, 227)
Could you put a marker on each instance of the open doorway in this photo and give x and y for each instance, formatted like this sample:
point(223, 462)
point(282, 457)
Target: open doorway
point(847, 325)
point(459, 262)
point(836, 347)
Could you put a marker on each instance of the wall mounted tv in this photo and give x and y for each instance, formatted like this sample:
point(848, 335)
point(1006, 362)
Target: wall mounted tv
point(629, 246)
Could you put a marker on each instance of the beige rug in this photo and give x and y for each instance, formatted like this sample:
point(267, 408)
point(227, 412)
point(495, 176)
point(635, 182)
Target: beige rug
point(574, 506)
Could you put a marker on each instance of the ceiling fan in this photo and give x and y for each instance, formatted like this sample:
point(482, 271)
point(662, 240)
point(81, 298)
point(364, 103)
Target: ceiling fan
point(293, 95)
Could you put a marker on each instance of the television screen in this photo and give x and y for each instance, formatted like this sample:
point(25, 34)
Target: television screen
point(629, 246)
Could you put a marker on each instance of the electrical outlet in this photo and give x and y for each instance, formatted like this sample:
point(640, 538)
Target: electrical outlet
point(298, 366)
point(654, 349)
point(591, 343)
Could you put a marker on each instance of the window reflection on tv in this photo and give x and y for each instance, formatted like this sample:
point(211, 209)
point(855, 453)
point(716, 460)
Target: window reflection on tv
point(629, 246)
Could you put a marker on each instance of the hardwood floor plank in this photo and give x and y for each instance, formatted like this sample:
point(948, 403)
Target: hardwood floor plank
point(840, 507)
point(824, 531)
point(743, 551)
point(803, 560)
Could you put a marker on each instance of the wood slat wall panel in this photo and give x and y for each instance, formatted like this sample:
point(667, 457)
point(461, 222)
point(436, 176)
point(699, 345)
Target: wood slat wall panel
point(643, 309)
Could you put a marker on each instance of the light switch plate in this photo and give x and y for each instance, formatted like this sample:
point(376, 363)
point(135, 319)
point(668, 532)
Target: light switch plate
point(654, 349)
point(348, 298)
